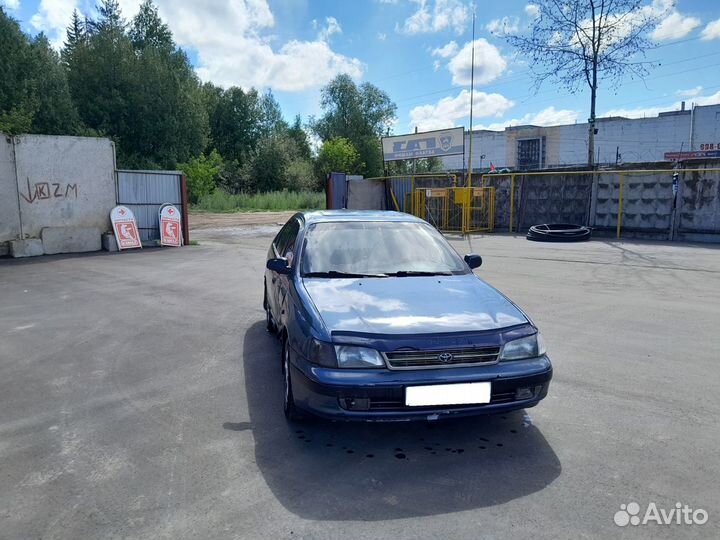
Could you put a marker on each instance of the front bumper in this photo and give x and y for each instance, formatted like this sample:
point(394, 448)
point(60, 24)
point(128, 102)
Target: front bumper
point(379, 395)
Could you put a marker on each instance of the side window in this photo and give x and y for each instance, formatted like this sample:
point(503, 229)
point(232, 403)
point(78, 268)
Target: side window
point(285, 240)
point(288, 250)
point(281, 239)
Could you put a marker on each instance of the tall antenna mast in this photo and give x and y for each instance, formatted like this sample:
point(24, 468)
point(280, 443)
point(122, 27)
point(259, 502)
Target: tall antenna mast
point(472, 96)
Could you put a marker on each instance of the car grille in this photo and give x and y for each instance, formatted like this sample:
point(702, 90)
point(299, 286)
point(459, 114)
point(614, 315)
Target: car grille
point(421, 359)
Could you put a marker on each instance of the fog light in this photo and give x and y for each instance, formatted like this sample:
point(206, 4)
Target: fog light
point(357, 404)
point(523, 393)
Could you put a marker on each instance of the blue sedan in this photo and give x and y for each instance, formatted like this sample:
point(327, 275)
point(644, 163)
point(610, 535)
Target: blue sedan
point(380, 319)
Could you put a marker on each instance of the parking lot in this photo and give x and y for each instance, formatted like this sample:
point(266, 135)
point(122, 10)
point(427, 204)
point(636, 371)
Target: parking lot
point(140, 397)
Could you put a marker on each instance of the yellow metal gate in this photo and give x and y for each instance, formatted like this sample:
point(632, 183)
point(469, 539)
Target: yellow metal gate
point(454, 209)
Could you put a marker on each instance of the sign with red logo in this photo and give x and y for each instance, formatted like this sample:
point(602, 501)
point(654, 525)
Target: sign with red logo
point(125, 228)
point(170, 230)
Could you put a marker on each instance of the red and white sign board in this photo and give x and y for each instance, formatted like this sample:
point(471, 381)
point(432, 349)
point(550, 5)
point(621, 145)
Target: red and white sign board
point(170, 229)
point(125, 228)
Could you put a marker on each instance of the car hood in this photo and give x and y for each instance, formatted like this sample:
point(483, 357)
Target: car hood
point(411, 305)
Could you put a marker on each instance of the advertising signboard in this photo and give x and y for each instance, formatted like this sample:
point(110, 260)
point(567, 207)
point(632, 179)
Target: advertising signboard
point(170, 229)
point(125, 228)
point(444, 142)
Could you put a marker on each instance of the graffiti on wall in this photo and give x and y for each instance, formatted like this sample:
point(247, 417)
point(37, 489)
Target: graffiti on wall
point(42, 191)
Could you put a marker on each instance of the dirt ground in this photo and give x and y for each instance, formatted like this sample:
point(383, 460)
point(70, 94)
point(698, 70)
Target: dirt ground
point(211, 221)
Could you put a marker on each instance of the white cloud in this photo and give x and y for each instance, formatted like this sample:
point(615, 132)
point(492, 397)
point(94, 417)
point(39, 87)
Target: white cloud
point(52, 17)
point(674, 26)
point(643, 112)
point(11, 4)
point(446, 112)
point(382, 36)
point(231, 43)
point(436, 15)
point(713, 99)
point(711, 31)
point(489, 63)
point(447, 50)
point(547, 117)
point(504, 26)
point(332, 26)
point(233, 46)
point(690, 92)
point(532, 11)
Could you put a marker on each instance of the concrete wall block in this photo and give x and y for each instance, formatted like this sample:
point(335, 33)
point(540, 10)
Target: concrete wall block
point(109, 242)
point(9, 209)
point(71, 239)
point(64, 182)
point(30, 247)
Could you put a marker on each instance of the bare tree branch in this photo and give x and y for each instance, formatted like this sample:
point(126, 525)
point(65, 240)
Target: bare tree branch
point(584, 42)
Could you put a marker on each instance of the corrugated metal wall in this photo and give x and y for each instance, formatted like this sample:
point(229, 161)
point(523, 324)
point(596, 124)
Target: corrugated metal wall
point(144, 192)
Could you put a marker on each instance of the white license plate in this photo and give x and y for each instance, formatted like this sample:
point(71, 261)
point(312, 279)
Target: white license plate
point(448, 394)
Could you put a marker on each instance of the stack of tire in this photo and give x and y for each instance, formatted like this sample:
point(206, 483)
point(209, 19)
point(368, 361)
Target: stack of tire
point(558, 232)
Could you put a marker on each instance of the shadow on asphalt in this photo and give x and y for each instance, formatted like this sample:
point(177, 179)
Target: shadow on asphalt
point(348, 471)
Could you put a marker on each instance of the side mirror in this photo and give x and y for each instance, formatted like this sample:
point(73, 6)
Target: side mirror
point(473, 260)
point(279, 265)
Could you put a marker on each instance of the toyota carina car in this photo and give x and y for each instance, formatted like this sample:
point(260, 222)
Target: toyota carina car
point(381, 319)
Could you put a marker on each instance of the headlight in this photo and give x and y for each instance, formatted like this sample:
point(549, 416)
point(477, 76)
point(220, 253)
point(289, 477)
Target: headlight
point(527, 347)
point(358, 357)
point(321, 353)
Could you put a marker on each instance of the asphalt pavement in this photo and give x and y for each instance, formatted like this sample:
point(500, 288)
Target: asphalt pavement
point(140, 397)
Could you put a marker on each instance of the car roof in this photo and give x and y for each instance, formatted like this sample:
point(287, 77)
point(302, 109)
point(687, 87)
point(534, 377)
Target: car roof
point(326, 216)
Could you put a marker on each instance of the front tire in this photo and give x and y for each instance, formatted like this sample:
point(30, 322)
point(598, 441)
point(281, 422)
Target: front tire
point(292, 413)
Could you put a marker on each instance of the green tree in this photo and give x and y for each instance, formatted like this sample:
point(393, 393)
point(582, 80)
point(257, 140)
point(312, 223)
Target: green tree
point(271, 119)
point(168, 120)
point(34, 95)
point(148, 31)
point(134, 85)
point(100, 74)
point(298, 134)
point(55, 112)
point(75, 36)
point(338, 155)
point(236, 123)
point(202, 174)
point(300, 176)
point(361, 114)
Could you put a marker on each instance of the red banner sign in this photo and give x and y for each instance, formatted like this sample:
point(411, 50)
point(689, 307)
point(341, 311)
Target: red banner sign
point(125, 228)
point(170, 229)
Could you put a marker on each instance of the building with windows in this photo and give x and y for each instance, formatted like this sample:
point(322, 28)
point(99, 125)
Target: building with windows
point(686, 133)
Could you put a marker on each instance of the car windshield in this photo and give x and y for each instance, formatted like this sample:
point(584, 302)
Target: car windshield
point(377, 249)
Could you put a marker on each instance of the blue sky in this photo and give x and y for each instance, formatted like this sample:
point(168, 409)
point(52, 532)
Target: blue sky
point(415, 50)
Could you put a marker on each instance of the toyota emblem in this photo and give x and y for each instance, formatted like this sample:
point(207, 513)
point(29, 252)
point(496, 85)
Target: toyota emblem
point(445, 357)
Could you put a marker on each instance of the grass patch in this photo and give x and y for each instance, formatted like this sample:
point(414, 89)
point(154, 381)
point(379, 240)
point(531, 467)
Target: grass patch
point(221, 201)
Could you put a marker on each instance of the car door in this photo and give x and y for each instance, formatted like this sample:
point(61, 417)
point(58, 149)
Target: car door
point(270, 276)
point(284, 247)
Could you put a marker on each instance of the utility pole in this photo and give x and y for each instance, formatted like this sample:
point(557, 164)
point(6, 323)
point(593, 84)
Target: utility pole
point(472, 95)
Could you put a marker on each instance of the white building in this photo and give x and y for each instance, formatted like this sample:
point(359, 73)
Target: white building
point(695, 132)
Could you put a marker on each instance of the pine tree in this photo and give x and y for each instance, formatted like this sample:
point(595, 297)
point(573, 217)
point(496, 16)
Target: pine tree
point(75, 36)
point(148, 29)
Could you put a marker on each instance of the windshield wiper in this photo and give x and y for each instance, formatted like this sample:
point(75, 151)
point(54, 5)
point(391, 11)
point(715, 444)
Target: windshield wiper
point(339, 274)
point(405, 273)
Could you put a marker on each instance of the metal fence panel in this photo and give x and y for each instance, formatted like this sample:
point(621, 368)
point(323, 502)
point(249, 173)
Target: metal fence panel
point(144, 192)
